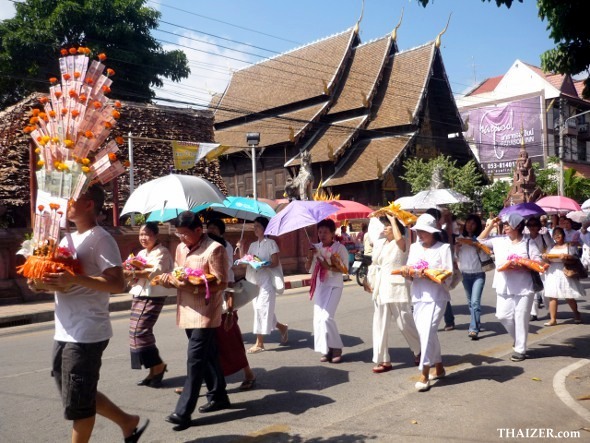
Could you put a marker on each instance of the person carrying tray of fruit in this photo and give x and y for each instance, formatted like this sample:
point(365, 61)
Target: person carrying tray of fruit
point(513, 284)
point(82, 324)
point(148, 301)
point(200, 276)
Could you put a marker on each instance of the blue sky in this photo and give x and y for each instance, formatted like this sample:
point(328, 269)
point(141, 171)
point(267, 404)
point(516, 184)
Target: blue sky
point(482, 40)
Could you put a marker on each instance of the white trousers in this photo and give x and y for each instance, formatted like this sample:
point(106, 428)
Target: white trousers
point(535, 305)
point(428, 316)
point(264, 310)
point(383, 316)
point(513, 311)
point(325, 331)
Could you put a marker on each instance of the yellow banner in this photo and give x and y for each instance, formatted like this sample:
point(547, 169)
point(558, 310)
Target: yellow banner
point(184, 154)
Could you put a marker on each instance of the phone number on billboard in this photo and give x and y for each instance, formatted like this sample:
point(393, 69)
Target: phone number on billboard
point(500, 167)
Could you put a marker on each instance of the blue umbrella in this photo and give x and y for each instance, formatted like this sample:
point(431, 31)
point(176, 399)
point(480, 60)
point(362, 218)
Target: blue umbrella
point(171, 213)
point(524, 209)
point(244, 208)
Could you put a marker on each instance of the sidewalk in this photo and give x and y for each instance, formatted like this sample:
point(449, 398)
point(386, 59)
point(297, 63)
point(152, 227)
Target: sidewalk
point(38, 312)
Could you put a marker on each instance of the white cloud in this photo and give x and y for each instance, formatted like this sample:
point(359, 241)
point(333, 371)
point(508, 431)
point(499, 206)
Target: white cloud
point(6, 9)
point(211, 67)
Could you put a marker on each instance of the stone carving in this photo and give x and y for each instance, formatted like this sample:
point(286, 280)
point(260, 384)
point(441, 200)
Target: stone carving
point(524, 184)
point(301, 187)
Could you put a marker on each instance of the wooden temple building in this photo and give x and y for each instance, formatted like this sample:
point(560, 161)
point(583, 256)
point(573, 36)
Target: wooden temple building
point(358, 108)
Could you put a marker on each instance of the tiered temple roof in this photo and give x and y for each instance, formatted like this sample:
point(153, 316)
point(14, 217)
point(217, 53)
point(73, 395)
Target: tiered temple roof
point(372, 100)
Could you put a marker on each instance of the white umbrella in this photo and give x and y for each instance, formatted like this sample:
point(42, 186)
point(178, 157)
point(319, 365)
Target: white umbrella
point(180, 192)
point(579, 216)
point(586, 205)
point(432, 198)
point(404, 202)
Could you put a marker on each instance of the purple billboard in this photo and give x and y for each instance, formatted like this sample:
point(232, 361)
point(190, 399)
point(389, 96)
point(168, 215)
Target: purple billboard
point(496, 132)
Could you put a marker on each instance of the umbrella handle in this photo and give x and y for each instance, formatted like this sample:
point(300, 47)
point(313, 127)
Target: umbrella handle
point(241, 237)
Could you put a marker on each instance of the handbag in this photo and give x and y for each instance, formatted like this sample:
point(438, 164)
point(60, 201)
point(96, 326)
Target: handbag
point(488, 264)
point(243, 293)
point(535, 276)
point(457, 276)
point(574, 269)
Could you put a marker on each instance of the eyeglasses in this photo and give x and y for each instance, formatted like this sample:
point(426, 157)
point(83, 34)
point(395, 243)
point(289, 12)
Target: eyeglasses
point(180, 235)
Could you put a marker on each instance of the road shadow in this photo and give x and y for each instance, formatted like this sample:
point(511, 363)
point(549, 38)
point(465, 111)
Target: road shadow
point(575, 347)
point(497, 373)
point(295, 403)
point(297, 340)
point(284, 437)
point(472, 359)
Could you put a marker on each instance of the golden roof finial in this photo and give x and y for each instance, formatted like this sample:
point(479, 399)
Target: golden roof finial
point(394, 32)
point(358, 23)
point(438, 37)
point(291, 134)
point(326, 88)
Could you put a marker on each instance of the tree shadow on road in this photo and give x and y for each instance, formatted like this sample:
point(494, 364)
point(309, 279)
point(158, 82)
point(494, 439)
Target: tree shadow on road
point(575, 347)
point(297, 340)
point(497, 373)
point(285, 437)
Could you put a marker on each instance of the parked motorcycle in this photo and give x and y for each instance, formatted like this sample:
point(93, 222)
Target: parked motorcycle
point(360, 267)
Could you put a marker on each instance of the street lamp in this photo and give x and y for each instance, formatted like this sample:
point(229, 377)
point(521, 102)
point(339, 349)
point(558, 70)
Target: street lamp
point(253, 139)
point(561, 148)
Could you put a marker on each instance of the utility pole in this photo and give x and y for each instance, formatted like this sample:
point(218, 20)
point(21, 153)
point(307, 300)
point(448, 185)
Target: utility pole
point(561, 147)
point(253, 139)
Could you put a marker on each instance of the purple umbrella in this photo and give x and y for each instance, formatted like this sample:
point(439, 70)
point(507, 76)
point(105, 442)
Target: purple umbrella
point(299, 214)
point(524, 209)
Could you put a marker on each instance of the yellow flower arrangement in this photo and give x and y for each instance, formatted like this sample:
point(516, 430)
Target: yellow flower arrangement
point(405, 217)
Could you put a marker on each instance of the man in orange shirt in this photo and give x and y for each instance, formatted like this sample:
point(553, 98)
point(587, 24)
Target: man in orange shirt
point(199, 317)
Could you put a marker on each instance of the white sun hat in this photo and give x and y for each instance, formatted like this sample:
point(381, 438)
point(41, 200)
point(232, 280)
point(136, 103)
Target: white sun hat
point(426, 222)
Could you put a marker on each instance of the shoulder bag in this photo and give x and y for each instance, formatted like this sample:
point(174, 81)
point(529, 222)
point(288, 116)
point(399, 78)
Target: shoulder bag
point(536, 277)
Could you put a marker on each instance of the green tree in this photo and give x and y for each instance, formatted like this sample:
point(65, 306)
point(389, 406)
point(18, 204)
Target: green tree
point(31, 40)
point(567, 24)
point(575, 186)
point(547, 176)
point(466, 179)
point(493, 196)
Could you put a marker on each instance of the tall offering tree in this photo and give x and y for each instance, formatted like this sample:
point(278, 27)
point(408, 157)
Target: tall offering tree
point(30, 41)
point(567, 23)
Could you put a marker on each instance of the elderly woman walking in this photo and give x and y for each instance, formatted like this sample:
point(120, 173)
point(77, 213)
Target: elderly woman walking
point(391, 294)
point(327, 260)
point(147, 304)
point(514, 286)
point(429, 298)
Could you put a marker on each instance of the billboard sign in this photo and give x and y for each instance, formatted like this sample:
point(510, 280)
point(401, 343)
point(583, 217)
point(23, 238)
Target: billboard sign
point(497, 131)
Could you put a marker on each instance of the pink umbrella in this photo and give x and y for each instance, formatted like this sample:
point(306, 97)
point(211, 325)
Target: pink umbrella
point(348, 209)
point(557, 203)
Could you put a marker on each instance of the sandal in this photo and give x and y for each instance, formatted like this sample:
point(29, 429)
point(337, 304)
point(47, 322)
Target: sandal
point(255, 350)
point(247, 385)
point(178, 391)
point(417, 359)
point(285, 335)
point(381, 368)
point(336, 356)
point(325, 358)
point(549, 323)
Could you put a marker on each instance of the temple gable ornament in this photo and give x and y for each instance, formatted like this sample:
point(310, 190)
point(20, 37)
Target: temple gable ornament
point(301, 187)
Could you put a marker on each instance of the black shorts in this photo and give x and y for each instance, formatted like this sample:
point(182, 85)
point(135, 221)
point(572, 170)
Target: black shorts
point(76, 368)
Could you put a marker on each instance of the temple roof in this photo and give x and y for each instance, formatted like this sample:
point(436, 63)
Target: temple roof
point(368, 159)
point(301, 74)
point(406, 86)
point(284, 128)
point(361, 83)
point(329, 142)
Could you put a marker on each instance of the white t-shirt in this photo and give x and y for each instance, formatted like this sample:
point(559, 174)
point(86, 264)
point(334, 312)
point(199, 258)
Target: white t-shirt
point(438, 256)
point(514, 281)
point(264, 250)
point(82, 314)
point(469, 258)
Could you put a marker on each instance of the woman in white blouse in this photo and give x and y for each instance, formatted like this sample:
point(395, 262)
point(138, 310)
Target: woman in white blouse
point(391, 294)
point(474, 278)
point(326, 291)
point(429, 298)
point(265, 320)
point(147, 304)
point(514, 287)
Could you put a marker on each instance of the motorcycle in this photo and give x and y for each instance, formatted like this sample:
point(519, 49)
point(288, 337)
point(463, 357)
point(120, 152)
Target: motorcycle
point(360, 267)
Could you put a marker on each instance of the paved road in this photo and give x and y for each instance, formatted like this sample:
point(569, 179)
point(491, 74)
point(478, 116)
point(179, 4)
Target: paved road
point(299, 399)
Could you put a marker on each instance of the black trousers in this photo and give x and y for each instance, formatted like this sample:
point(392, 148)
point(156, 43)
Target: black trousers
point(202, 364)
